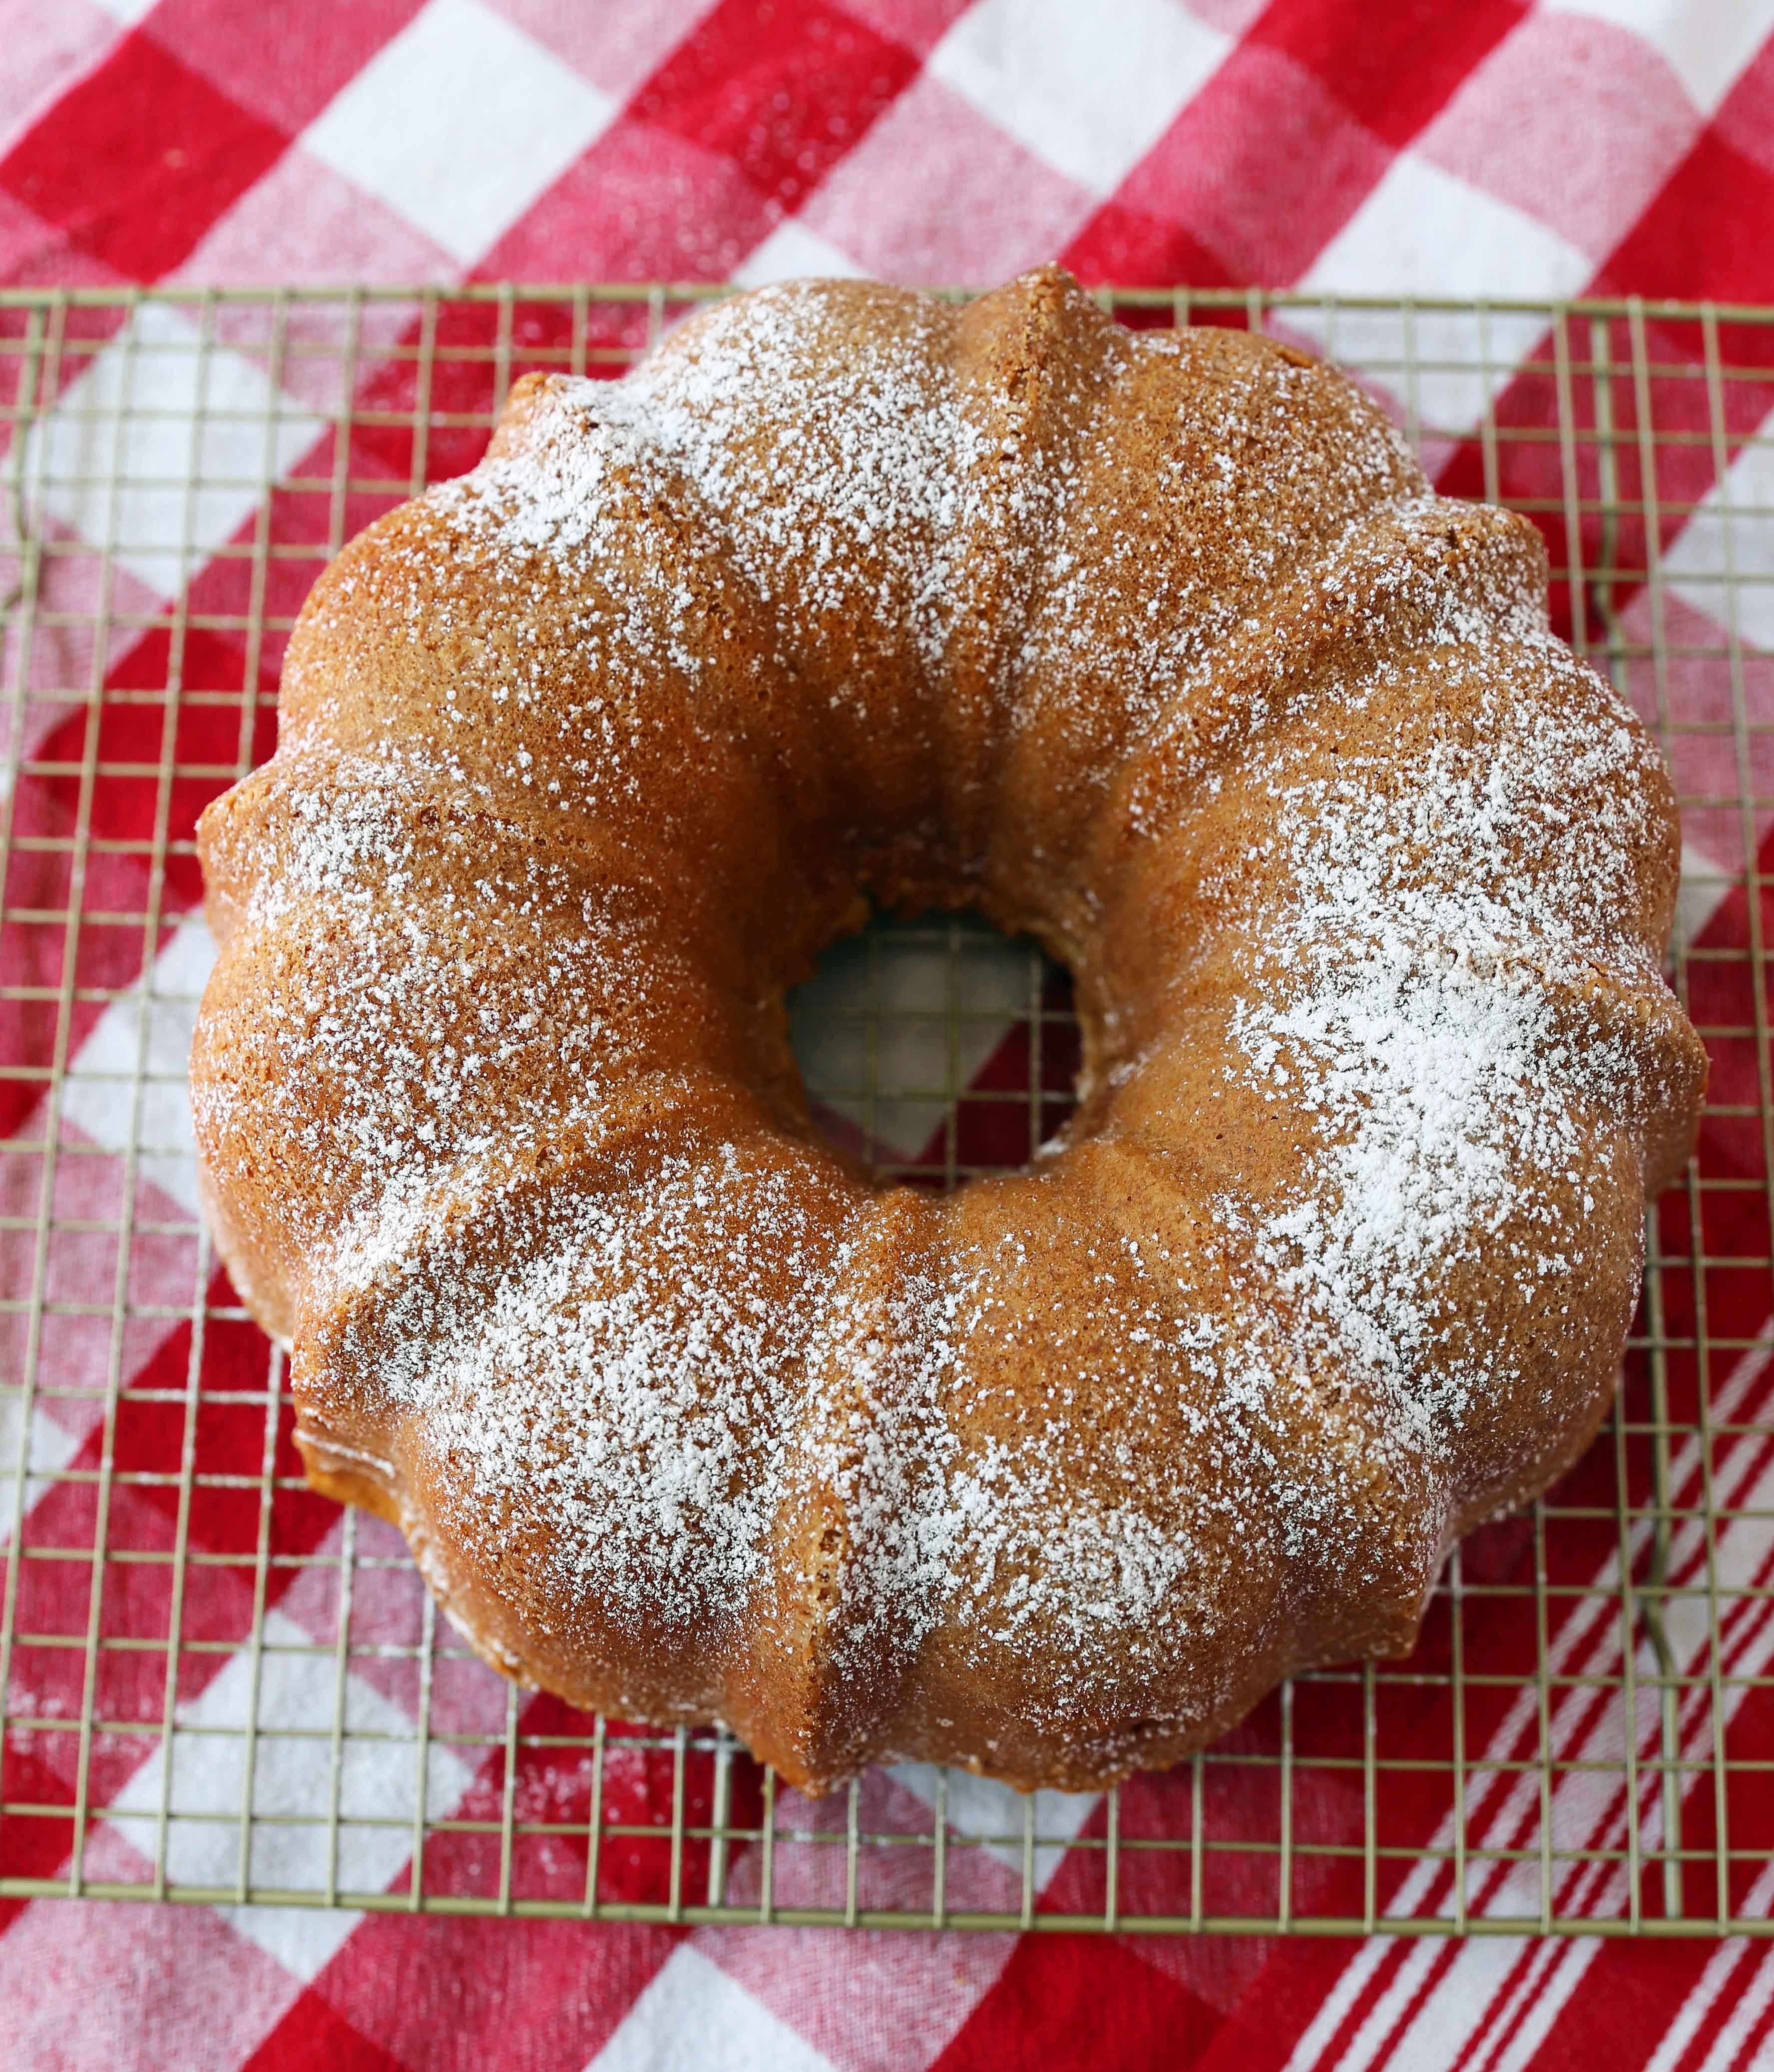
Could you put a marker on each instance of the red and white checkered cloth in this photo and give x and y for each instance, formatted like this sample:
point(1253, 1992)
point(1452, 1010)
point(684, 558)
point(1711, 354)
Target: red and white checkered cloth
point(1469, 147)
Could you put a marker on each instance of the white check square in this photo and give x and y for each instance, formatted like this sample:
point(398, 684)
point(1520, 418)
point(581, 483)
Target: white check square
point(289, 1716)
point(791, 252)
point(993, 1814)
point(890, 1086)
point(1722, 564)
point(1088, 90)
point(692, 2015)
point(1425, 232)
point(458, 124)
point(127, 1082)
point(1706, 43)
point(52, 1447)
point(163, 446)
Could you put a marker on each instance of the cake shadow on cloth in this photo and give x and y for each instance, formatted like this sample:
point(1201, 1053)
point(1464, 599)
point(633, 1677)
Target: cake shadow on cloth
point(1156, 648)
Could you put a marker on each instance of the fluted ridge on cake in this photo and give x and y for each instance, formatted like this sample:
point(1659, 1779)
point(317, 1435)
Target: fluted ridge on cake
point(1157, 648)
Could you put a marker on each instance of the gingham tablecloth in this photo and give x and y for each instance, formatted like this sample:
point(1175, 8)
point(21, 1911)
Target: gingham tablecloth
point(1479, 146)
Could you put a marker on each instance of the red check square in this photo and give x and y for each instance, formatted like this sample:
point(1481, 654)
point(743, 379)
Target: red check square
point(138, 160)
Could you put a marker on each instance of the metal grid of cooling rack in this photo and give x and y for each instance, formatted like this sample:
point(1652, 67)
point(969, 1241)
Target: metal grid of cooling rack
point(215, 1688)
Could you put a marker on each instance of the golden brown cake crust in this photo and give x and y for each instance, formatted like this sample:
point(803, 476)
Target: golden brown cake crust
point(1158, 648)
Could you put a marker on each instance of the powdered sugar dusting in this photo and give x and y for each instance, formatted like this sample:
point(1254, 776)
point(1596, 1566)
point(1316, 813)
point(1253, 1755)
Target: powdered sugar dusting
point(1433, 987)
point(1116, 1439)
point(850, 501)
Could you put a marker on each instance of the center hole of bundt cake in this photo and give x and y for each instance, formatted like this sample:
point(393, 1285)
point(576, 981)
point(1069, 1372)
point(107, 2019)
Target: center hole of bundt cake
point(937, 1050)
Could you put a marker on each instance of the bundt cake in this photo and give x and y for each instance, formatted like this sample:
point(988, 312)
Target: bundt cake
point(1157, 649)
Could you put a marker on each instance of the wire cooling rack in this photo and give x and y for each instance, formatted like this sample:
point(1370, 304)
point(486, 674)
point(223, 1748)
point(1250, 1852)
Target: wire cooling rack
point(215, 1686)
